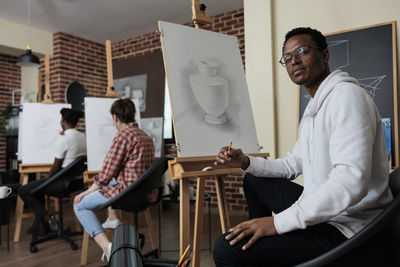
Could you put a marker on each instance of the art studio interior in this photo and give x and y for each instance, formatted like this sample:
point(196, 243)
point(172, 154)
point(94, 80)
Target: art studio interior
point(163, 113)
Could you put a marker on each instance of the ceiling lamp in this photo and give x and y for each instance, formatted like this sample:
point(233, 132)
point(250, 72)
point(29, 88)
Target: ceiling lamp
point(28, 59)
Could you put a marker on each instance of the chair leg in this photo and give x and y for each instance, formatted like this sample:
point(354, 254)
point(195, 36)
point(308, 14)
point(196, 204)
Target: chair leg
point(159, 228)
point(85, 247)
point(19, 210)
point(149, 223)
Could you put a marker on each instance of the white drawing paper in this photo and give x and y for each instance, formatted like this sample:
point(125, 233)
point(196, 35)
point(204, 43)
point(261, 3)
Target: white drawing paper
point(154, 128)
point(41, 127)
point(100, 130)
point(209, 95)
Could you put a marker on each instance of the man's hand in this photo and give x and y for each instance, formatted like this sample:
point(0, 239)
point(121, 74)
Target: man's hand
point(258, 227)
point(233, 158)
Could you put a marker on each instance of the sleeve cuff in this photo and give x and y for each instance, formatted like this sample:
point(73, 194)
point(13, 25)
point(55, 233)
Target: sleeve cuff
point(250, 168)
point(285, 221)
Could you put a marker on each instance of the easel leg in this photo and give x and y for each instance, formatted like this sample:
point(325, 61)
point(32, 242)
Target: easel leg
point(184, 216)
point(198, 222)
point(19, 210)
point(147, 215)
point(222, 205)
point(85, 246)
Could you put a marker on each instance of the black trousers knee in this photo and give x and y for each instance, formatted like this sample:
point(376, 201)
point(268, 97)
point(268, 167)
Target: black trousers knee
point(264, 196)
point(36, 202)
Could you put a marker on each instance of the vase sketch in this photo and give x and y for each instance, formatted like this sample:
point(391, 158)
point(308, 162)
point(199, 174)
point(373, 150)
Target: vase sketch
point(211, 91)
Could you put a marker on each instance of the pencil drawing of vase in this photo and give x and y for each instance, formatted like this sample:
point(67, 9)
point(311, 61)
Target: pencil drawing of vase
point(211, 91)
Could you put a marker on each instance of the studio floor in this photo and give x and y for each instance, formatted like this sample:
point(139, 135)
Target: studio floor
point(58, 252)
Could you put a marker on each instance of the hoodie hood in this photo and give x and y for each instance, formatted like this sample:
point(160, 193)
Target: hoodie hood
point(324, 90)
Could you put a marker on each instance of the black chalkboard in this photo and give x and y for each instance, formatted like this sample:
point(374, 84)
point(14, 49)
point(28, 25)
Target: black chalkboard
point(367, 54)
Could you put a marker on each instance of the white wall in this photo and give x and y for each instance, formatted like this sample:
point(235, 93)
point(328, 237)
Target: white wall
point(259, 71)
point(14, 38)
point(271, 19)
point(29, 83)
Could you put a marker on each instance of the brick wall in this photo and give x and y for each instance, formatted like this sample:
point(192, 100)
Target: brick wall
point(10, 79)
point(231, 23)
point(79, 60)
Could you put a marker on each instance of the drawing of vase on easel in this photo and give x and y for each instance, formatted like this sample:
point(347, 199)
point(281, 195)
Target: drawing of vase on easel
point(210, 90)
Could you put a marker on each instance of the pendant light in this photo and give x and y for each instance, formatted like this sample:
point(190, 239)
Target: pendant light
point(28, 59)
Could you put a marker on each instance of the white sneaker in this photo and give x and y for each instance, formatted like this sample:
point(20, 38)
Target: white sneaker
point(107, 255)
point(111, 224)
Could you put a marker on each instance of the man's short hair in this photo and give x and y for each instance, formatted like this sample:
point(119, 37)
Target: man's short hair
point(316, 35)
point(124, 109)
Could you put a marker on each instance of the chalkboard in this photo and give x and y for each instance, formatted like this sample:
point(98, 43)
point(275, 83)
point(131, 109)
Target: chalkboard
point(368, 54)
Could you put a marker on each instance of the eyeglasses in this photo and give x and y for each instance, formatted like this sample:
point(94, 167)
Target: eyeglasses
point(302, 51)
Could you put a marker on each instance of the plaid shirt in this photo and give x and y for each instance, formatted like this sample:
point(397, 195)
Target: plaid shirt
point(130, 155)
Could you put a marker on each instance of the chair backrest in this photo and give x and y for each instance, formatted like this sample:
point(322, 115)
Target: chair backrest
point(135, 196)
point(67, 180)
point(377, 224)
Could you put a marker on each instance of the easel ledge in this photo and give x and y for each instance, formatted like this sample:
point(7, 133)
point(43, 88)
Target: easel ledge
point(186, 167)
point(36, 168)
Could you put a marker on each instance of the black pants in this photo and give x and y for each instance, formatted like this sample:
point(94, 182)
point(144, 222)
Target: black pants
point(36, 201)
point(264, 196)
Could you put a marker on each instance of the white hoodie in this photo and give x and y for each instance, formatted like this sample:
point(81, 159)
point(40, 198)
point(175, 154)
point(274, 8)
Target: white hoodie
point(342, 154)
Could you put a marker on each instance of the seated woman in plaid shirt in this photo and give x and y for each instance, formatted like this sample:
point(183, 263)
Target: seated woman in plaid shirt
point(131, 153)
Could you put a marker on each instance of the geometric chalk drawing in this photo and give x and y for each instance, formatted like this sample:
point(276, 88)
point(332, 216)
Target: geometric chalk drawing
point(344, 59)
point(371, 84)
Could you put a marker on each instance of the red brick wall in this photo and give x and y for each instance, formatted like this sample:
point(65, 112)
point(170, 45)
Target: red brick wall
point(231, 23)
point(10, 79)
point(77, 60)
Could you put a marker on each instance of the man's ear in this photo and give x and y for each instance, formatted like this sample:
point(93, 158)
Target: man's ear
point(325, 54)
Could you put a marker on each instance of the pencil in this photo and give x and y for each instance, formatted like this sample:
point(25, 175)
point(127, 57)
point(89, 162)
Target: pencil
point(183, 256)
point(229, 149)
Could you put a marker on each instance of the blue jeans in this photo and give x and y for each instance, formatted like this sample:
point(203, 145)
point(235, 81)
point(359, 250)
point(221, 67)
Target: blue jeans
point(84, 211)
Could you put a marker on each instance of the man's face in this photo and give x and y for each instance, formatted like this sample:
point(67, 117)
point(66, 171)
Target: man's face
point(306, 69)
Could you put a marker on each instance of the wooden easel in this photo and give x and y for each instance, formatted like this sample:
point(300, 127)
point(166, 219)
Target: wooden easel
point(25, 169)
point(47, 96)
point(199, 168)
point(88, 175)
point(110, 79)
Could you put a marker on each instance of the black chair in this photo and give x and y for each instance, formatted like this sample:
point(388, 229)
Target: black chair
point(359, 246)
point(62, 184)
point(135, 197)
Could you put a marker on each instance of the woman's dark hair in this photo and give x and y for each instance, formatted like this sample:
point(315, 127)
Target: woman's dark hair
point(124, 109)
point(316, 35)
point(71, 116)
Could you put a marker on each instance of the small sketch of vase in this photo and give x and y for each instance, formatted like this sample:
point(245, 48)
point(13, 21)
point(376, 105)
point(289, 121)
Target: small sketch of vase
point(211, 91)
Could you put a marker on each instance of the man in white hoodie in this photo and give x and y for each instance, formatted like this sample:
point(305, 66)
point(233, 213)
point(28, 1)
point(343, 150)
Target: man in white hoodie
point(340, 152)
